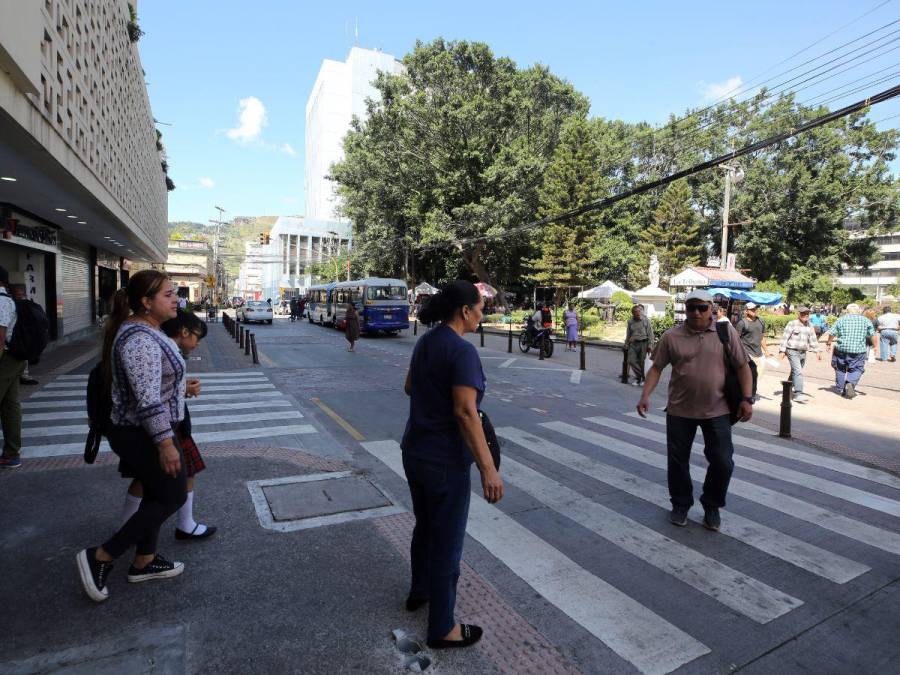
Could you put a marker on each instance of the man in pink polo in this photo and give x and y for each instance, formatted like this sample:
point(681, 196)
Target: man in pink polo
point(697, 399)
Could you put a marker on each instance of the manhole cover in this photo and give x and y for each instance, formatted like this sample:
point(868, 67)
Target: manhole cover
point(323, 497)
point(302, 502)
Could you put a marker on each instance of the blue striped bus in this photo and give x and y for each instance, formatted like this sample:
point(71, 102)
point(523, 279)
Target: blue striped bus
point(382, 304)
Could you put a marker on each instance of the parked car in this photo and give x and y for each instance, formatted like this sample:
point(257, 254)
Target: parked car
point(254, 310)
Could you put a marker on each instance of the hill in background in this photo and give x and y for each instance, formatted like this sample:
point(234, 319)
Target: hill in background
point(232, 236)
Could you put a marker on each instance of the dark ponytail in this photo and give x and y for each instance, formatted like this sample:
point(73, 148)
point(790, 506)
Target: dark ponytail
point(443, 305)
point(125, 302)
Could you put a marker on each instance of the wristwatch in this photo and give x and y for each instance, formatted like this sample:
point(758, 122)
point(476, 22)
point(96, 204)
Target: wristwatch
point(748, 399)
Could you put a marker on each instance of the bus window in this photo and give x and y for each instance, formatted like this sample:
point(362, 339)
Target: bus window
point(386, 293)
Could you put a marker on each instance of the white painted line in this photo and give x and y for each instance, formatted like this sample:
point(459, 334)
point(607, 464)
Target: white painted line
point(252, 396)
point(58, 449)
point(244, 434)
point(58, 415)
point(641, 637)
point(58, 394)
point(547, 368)
point(491, 358)
point(538, 410)
point(53, 405)
point(61, 430)
point(507, 363)
point(249, 417)
point(828, 487)
point(806, 556)
point(742, 593)
point(575, 377)
point(83, 376)
point(259, 379)
point(824, 461)
point(253, 405)
point(234, 373)
point(212, 388)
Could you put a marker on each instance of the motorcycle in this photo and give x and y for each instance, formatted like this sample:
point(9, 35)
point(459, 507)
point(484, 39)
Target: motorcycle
point(542, 339)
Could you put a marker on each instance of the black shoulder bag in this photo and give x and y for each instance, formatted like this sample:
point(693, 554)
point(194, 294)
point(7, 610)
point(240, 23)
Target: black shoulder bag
point(733, 393)
point(490, 436)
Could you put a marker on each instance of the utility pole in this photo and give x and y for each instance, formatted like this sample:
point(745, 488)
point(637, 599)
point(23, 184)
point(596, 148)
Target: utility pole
point(218, 266)
point(733, 174)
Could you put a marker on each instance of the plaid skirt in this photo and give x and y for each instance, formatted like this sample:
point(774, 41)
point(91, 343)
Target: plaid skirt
point(193, 461)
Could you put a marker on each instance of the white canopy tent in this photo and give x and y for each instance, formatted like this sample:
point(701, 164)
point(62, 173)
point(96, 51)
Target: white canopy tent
point(425, 289)
point(603, 292)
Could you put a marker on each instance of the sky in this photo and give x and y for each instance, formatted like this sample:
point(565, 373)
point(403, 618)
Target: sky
point(228, 79)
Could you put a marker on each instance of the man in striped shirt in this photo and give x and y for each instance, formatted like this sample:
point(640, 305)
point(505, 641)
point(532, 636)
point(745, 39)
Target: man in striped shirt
point(853, 332)
point(798, 339)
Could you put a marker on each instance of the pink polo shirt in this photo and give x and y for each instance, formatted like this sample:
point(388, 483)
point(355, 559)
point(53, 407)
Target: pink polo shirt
point(697, 385)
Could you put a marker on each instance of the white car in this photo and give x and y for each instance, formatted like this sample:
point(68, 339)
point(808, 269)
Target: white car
point(254, 310)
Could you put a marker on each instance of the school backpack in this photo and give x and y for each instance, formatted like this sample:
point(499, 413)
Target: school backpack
point(31, 332)
point(99, 409)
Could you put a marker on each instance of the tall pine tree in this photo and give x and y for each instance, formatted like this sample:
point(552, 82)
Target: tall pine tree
point(674, 234)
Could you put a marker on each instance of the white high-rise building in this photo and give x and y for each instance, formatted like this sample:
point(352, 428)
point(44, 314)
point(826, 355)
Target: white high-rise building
point(340, 92)
point(250, 277)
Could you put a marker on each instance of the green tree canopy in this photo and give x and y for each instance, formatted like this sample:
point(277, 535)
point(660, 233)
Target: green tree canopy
point(674, 234)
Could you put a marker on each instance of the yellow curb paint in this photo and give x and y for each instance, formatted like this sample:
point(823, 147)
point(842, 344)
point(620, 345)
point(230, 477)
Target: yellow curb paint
point(344, 424)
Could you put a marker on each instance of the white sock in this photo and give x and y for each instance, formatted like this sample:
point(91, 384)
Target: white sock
point(186, 521)
point(131, 506)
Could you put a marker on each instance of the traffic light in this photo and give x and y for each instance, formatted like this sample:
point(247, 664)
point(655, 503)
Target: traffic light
point(267, 238)
point(262, 239)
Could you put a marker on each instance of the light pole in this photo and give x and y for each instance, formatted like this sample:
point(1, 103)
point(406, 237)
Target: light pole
point(733, 175)
point(216, 260)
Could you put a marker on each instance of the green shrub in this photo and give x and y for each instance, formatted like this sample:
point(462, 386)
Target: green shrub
point(623, 304)
point(661, 324)
point(775, 323)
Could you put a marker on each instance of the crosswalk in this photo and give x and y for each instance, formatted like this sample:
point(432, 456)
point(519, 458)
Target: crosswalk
point(782, 551)
point(232, 406)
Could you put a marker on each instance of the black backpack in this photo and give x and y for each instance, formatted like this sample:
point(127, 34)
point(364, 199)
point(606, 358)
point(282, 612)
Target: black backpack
point(31, 332)
point(99, 409)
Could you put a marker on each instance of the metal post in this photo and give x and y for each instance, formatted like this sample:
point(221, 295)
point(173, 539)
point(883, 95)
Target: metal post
point(509, 344)
point(784, 427)
point(725, 208)
point(624, 377)
point(416, 326)
point(481, 330)
point(253, 349)
point(237, 332)
point(541, 349)
point(241, 341)
point(582, 355)
point(247, 344)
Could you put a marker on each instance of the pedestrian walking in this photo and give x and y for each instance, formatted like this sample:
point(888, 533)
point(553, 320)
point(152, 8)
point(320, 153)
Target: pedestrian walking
point(697, 399)
point(570, 319)
point(25, 378)
point(752, 331)
point(145, 376)
point(639, 341)
point(351, 328)
point(818, 321)
point(888, 327)
point(799, 338)
point(11, 369)
point(186, 330)
point(854, 334)
point(443, 435)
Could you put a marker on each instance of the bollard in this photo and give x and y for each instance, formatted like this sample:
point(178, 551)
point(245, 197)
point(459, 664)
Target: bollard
point(416, 326)
point(624, 378)
point(241, 341)
point(253, 349)
point(541, 350)
point(509, 344)
point(582, 355)
point(481, 330)
point(247, 344)
point(784, 426)
point(237, 332)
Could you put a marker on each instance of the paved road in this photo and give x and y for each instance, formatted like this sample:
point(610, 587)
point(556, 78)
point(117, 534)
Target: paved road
point(577, 569)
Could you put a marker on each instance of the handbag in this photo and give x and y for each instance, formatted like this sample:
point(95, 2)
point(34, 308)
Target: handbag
point(733, 392)
point(490, 436)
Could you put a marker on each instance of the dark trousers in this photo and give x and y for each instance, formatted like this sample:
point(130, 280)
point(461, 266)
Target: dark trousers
point(163, 495)
point(848, 368)
point(680, 432)
point(11, 370)
point(440, 497)
point(637, 354)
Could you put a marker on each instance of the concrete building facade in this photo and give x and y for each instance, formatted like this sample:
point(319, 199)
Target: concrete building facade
point(339, 94)
point(188, 264)
point(294, 243)
point(876, 280)
point(82, 189)
point(249, 283)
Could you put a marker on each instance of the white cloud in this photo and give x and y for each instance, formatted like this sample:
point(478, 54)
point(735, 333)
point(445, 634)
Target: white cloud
point(716, 90)
point(252, 118)
point(288, 149)
point(207, 182)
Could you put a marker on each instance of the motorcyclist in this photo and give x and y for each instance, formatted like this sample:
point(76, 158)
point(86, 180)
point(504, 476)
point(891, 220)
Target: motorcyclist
point(295, 308)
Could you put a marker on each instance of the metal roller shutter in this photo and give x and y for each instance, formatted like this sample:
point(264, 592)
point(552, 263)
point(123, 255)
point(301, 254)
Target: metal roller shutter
point(76, 278)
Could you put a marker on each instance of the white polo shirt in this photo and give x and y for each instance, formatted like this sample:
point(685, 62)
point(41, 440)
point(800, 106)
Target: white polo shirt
point(7, 312)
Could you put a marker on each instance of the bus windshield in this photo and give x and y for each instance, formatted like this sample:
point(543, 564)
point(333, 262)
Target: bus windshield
point(386, 293)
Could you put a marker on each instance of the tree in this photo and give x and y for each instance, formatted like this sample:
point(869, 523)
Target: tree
point(674, 234)
point(451, 158)
point(807, 285)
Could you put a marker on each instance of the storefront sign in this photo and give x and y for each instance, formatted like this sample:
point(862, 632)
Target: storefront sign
point(36, 233)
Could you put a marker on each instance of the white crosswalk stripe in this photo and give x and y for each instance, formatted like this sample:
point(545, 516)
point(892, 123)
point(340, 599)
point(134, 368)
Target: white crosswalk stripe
point(219, 414)
point(824, 461)
point(806, 556)
point(646, 640)
point(825, 486)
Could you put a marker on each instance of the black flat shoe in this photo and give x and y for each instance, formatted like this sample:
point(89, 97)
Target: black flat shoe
point(412, 604)
point(187, 536)
point(470, 635)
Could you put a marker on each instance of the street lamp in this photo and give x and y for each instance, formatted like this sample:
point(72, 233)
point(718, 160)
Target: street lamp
point(733, 176)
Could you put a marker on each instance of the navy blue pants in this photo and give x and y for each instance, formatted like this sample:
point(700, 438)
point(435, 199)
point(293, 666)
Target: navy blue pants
point(680, 433)
point(847, 368)
point(440, 497)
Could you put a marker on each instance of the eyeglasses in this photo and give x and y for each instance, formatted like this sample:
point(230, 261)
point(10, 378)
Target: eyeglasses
point(696, 308)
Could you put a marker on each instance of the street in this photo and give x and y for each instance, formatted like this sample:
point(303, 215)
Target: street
point(577, 569)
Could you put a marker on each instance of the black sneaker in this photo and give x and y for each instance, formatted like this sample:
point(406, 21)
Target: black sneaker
point(849, 391)
point(711, 519)
point(158, 568)
point(678, 516)
point(93, 574)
